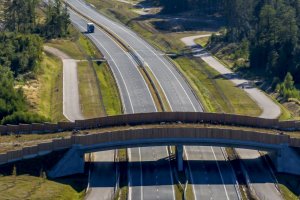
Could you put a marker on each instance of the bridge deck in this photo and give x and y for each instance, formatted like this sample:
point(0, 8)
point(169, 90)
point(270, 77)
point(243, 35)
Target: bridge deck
point(8, 143)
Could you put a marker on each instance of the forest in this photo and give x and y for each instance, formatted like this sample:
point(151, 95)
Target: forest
point(21, 43)
point(268, 32)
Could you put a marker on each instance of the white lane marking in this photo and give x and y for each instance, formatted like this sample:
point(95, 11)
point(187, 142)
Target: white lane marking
point(141, 41)
point(141, 168)
point(146, 45)
point(192, 177)
point(171, 175)
point(234, 179)
point(130, 188)
point(115, 65)
point(134, 64)
point(159, 83)
point(131, 59)
point(161, 87)
point(220, 173)
point(129, 176)
point(133, 112)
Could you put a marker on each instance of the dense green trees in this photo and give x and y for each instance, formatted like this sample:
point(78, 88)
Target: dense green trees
point(20, 52)
point(21, 46)
point(269, 29)
point(272, 29)
point(11, 100)
point(57, 20)
point(20, 15)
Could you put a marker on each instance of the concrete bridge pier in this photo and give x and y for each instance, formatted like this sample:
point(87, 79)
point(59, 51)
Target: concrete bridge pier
point(286, 159)
point(71, 163)
point(179, 157)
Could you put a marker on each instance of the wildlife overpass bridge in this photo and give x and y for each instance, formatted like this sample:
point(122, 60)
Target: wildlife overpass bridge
point(155, 129)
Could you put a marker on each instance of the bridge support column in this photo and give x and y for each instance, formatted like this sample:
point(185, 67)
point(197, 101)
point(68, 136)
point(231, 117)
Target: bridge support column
point(286, 160)
point(71, 163)
point(179, 157)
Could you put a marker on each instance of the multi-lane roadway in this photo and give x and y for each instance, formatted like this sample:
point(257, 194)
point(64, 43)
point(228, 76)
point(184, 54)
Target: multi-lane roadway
point(260, 176)
point(136, 98)
point(150, 175)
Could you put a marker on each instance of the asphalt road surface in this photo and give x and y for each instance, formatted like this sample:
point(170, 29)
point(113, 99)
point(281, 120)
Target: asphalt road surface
point(136, 98)
point(179, 96)
point(261, 178)
point(259, 174)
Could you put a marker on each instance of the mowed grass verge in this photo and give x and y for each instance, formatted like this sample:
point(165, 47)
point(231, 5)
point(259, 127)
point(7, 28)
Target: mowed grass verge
point(109, 90)
point(89, 91)
point(31, 187)
point(216, 93)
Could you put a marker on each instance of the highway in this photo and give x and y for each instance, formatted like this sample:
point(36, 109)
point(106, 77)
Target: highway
point(136, 98)
point(180, 98)
point(262, 181)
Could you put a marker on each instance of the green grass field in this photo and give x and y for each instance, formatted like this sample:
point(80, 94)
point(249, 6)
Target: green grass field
point(31, 187)
point(202, 41)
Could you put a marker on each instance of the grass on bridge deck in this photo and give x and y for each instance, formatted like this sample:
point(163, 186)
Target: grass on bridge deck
point(13, 142)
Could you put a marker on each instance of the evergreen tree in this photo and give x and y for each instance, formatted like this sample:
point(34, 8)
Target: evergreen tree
point(57, 20)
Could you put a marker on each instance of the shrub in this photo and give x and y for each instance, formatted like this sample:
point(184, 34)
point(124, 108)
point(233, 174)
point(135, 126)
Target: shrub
point(23, 117)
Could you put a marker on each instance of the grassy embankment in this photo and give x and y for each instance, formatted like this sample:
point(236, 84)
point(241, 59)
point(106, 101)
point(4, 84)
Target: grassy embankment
point(225, 53)
point(44, 94)
point(27, 180)
point(45, 97)
point(97, 87)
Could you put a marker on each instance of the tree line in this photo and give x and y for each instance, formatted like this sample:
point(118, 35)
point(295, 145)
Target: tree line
point(22, 35)
point(267, 31)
